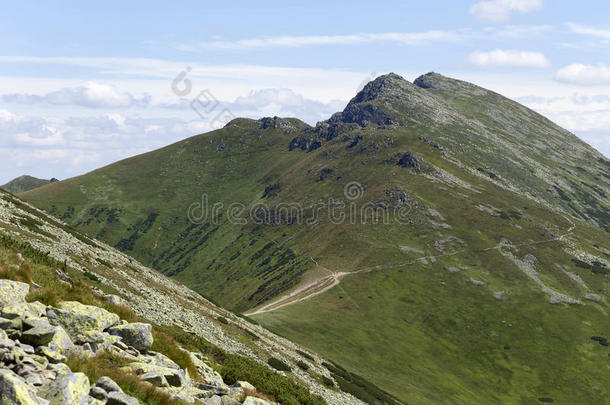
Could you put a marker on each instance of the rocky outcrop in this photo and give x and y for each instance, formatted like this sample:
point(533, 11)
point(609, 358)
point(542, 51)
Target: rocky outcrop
point(33, 358)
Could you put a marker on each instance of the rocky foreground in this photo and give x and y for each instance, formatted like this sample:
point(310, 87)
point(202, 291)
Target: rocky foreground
point(37, 340)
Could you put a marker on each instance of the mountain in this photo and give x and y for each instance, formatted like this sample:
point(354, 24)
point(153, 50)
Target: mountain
point(25, 183)
point(444, 242)
point(75, 311)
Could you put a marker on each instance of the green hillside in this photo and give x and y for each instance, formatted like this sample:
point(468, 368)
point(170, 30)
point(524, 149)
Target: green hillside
point(438, 239)
point(25, 183)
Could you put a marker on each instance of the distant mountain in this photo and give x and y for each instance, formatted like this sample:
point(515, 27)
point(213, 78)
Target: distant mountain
point(25, 183)
point(437, 238)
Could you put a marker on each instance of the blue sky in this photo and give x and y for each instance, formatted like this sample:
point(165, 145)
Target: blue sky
point(83, 84)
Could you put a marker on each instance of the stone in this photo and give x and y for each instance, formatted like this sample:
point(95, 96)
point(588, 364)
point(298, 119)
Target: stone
point(83, 323)
point(24, 310)
point(108, 385)
point(61, 341)
point(215, 400)
point(245, 385)
point(256, 401)
point(52, 355)
point(155, 378)
point(27, 348)
point(72, 388)
point(98, 393)
point(218, 390)
point(12, 292)
point(120, 398)
point(15, 391)
point(138, 335)
point(115, 299)
point(10, 324)
point(207, 373)
point(39, 335)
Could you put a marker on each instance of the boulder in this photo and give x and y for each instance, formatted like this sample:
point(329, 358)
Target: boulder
point(174, 377)
point(72, 388)
point(215, 400)
point(61, 341)
point(12, 292)
point(120, 398)
point(83, 323)
point(15, 391)
point(155, 378)
point(138, 335)
point(52, 355)
point(115, 299)
point(38, 336)
point(98, 393)
point(207, 373)
point(245, 385)
point(108, 385)
point(24, 310)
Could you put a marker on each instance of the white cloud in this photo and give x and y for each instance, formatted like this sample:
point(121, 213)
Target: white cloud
point(510, 58)
point(501, 10)
point(404, 38)
point(587, 75)
point(589, 31)
point(90, 94)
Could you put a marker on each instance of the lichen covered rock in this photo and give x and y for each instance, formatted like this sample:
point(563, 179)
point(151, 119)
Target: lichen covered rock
point(12, 292)
point(14, 390)
point(138, 335)
point(83, 323)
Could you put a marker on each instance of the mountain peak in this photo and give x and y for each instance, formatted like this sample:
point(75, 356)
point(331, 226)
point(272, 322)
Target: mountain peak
point(381, 85)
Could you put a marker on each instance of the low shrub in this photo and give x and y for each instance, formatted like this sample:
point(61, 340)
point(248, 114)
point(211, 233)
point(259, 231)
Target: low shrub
point(302, 365)
point(278, 364)
point(306, 355)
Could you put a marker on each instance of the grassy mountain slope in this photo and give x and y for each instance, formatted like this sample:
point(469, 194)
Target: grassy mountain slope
point(25, 183)
point(473, 250)
point(34, 247)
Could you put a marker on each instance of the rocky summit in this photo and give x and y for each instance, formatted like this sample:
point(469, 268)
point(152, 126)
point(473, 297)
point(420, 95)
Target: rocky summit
point(434, 243)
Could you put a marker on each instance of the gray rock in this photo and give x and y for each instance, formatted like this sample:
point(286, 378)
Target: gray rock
point(244, 385)
point(218, 390)
point(98, 393)
point(24, 310)
point(15, 391)
point(138, 335)
point(115, 299)
point(155, 378)
point(72, 388)
point(39, 335)
point(12, 292)
point(84, 323)
point(120, 398)
point(108, 385)
point(215, 400)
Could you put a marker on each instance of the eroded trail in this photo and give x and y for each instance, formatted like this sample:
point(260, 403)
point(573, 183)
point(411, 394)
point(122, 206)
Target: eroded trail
point(323, 284)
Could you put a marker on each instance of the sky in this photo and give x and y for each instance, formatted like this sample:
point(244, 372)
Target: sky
point(84, 84)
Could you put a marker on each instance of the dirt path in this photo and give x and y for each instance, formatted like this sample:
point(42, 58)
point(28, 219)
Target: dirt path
point(323, 284)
